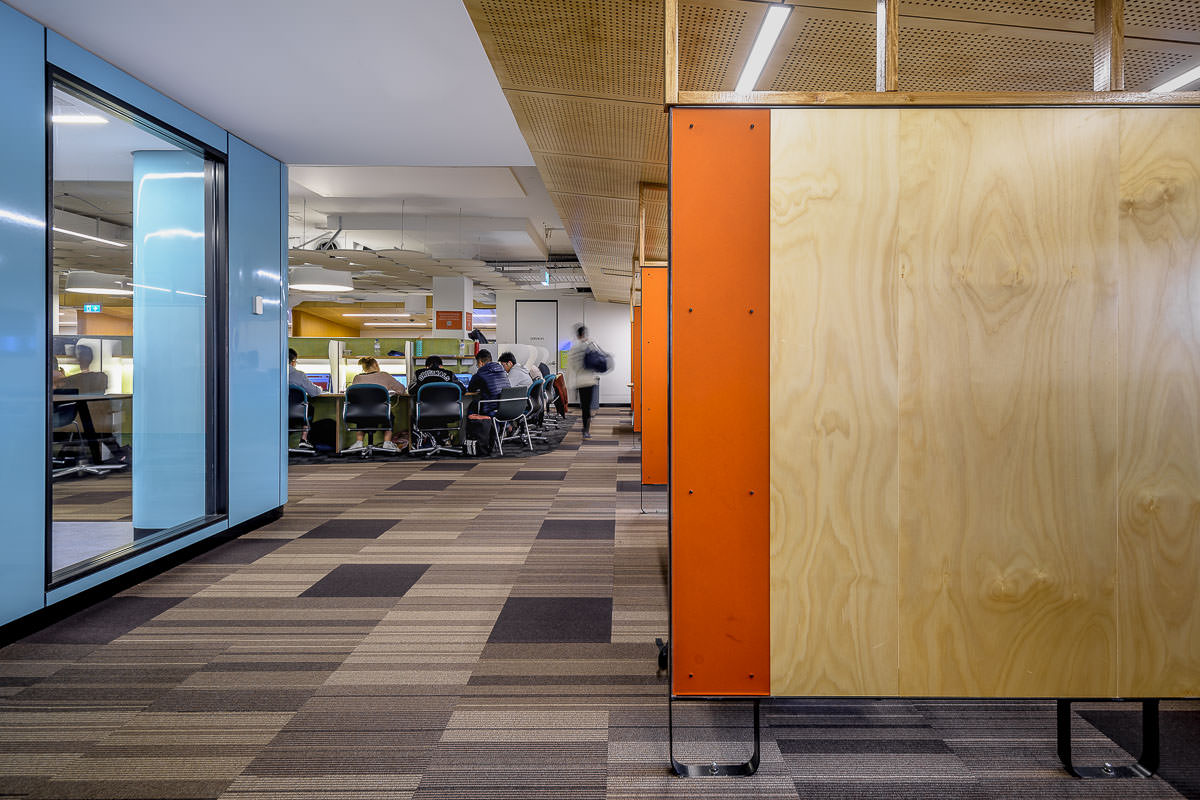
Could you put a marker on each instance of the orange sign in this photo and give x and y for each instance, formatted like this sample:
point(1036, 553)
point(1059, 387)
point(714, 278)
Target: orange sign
point(448, 320)
point(468, 320)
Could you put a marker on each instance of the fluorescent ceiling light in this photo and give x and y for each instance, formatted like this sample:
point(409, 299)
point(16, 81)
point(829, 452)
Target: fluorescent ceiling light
point(89, 238)
point(763, 44)
point(85, 282)
point(395, 324)
point(78, 119)
point(376, 315)
point(307, 278)
point(1180, 82)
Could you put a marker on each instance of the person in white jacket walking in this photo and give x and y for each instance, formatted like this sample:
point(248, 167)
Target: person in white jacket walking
point(585, 379)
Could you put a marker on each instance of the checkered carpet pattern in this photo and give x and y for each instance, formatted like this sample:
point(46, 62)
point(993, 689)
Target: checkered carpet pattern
point(465, 629)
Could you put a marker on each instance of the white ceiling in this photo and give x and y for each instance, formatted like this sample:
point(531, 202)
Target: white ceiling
point(358, 82)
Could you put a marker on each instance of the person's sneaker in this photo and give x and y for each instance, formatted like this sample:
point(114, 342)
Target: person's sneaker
point(356, 446)
point(305, 446)
point(587, 435)
point(390, 447)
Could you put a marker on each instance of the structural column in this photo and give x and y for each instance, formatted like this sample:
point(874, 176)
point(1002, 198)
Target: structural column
point(453, 301)
point(169, 389)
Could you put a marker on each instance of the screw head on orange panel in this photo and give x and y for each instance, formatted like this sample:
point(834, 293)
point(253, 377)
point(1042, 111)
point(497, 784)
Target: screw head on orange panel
point(751, 491)
point(751, 126)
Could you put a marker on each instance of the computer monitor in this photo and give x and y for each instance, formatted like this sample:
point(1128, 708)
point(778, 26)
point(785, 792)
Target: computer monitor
point(320, 379)
point(464, 378)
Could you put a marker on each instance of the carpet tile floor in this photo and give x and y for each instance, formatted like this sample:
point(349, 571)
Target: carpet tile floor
point(420, 630)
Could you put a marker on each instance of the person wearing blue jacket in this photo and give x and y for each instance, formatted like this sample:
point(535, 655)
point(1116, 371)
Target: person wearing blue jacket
point(489, 380)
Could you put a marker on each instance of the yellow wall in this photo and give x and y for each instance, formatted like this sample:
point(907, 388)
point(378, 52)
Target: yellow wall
point(304, 324)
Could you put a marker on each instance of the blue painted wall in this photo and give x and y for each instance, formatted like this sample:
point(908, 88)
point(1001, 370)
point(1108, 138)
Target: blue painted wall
point(257, 224)
point(22, 313)
point(257, 465)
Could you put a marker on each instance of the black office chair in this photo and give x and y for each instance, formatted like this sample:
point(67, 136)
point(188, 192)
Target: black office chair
point(512, 408)
point(439, 411)
point(299, 415)
point(64, 415)
point(369, 409)
point(537, 408)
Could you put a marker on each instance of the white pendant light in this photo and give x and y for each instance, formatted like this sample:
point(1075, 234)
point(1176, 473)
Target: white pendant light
point(85, 282)
point(309, 278)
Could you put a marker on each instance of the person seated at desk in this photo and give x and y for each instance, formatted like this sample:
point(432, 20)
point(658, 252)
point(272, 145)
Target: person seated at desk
point(57, 376)
point(432, 372)
point(373, 374)
point(517, 374)
point(489, 379)
point(85, 381)
point(300, 381)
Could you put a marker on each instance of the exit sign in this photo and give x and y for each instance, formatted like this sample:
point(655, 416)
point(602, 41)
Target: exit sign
point(91, 308)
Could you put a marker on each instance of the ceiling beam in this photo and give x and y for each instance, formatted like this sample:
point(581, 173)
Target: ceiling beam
point(1108, 46)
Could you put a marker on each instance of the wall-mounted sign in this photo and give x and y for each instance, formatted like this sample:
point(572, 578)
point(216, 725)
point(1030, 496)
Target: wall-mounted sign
point(448, 321)
point(91, 308)
point(469, 325)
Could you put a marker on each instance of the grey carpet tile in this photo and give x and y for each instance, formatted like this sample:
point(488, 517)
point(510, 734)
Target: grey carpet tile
point(426, 644)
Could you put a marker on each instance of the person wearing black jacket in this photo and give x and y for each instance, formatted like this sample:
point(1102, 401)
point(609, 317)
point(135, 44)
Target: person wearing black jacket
point(489, 380)
point(432, 372)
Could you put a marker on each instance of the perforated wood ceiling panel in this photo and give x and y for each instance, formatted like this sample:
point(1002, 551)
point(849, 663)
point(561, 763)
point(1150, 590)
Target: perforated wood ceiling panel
point(709, 39)
point(826, 55)
point(584, 79)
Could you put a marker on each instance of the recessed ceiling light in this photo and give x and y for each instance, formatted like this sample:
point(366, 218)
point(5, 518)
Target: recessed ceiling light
point(772, 26)
point(376, 315)
point(395, 324)
point(89, 238)
point(1179, 82)
point(78, 119)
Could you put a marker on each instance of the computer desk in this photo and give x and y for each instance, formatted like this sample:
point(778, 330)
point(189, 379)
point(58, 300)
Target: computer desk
point(329, 405)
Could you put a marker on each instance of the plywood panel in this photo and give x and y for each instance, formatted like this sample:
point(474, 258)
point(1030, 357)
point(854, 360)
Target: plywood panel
point(1159, 382)
point(1008, 402)
point(720, 517)
point(834, 519)
point(655, 318)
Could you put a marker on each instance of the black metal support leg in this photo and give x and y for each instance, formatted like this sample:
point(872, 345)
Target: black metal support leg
point(1147, 763)
point(713, 769)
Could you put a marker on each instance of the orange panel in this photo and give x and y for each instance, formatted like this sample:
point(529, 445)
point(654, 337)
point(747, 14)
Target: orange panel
point(720, 401)
point(636, 372)
point(655, 319)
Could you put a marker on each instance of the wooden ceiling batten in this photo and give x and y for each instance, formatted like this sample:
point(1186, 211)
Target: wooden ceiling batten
point(1108, 47)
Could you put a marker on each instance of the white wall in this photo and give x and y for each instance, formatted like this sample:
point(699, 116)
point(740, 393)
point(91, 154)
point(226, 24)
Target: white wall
point(609, 325)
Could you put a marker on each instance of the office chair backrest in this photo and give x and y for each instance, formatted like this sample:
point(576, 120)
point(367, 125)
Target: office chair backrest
point(514, 402)
point(536, 397)
point(297, 408)
point(439, 403)
point(367, 406)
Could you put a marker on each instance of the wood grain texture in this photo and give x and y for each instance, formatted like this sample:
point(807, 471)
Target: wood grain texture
point(1159, 384)
point(834, 522)
point(1108, 46)
point(1008, 248)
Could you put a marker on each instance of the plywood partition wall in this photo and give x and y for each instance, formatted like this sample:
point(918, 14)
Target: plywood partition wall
point(655, 316)
point(984, 402)
point(833, 402)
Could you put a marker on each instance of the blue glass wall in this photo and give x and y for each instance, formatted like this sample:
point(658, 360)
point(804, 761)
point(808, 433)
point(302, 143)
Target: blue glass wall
point(256, 343)
point(23, 312)
point(257, 465)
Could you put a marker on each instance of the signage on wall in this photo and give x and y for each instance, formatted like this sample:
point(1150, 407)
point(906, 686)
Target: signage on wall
point(449, 320)
point(91, 308)
point(469, 326)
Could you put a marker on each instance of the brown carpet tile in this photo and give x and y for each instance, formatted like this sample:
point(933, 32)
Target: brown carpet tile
point(419, 630)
